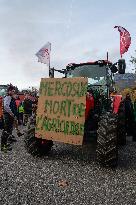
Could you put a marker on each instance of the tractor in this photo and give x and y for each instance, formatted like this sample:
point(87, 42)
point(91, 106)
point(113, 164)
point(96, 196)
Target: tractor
point(99, 120)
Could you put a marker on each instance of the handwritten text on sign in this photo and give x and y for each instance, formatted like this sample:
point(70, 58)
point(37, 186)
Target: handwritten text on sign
point(61, 109)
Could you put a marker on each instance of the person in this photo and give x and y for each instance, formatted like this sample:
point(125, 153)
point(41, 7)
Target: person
point(135, 109)
point(134, 127)
point(16, 113)
point(9, 117)
point(121, 124)
point(129, 115)
point(89, 104)
point(1, 113)
point(20, 113)
point(27, 108)
point(17, 100)
point(116, 102)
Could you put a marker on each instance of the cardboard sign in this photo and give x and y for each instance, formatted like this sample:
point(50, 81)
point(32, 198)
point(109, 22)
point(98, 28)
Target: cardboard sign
point(61, 109)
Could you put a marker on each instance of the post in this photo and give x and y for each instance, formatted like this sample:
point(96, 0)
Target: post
point(51, 72)
point(49, 69)
point(107, 57)
point(107, 74)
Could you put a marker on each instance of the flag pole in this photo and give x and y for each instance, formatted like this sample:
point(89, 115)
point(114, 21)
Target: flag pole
point(107, 77)
point(51, 71)
point(49, 65)
point(49, 68)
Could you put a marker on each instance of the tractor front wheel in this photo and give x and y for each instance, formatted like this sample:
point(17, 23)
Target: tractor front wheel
point(36, 146)
point(107, 152)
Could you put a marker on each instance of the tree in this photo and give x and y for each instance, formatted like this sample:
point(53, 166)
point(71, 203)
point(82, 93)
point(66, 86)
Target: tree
point(131, 91)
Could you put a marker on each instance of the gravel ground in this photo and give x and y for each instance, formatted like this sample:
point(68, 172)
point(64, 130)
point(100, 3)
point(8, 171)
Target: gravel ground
point(28, 180)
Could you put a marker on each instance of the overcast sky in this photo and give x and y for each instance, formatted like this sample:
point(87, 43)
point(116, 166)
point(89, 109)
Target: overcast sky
point(79, 31)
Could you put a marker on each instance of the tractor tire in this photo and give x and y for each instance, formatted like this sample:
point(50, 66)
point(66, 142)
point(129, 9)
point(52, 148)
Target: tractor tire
point(121, 125)
point(36, 146)
point(107, 150)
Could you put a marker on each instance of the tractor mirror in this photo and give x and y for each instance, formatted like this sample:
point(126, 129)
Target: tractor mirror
point(114, 68)
point(121, 66)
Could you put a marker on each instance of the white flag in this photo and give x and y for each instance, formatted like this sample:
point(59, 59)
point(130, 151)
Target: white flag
point(44, 54)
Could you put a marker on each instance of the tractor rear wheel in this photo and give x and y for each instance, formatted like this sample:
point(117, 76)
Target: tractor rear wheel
point(36, 146)
point(107, 151)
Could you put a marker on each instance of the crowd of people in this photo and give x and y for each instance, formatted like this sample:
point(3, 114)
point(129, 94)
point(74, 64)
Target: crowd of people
point(18, 112)
point(15, 112)
point(129, 109)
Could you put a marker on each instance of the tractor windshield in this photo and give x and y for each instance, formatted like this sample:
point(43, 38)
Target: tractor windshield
point(96, 74)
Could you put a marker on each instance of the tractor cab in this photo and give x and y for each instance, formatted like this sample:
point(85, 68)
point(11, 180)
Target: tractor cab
point(100, 80)
point(95, 72)
point(100, 76)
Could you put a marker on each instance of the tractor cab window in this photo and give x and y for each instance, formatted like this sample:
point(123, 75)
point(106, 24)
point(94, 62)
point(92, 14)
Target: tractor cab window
point(96, 74)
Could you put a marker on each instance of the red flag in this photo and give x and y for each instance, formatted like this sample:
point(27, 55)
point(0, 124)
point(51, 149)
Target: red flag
point(125, 39)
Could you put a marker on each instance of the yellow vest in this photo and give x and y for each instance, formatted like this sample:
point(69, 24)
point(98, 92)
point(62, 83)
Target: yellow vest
point(21, 109)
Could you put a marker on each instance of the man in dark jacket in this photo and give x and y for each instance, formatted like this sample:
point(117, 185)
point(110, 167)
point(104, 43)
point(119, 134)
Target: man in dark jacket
point(9, 116)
